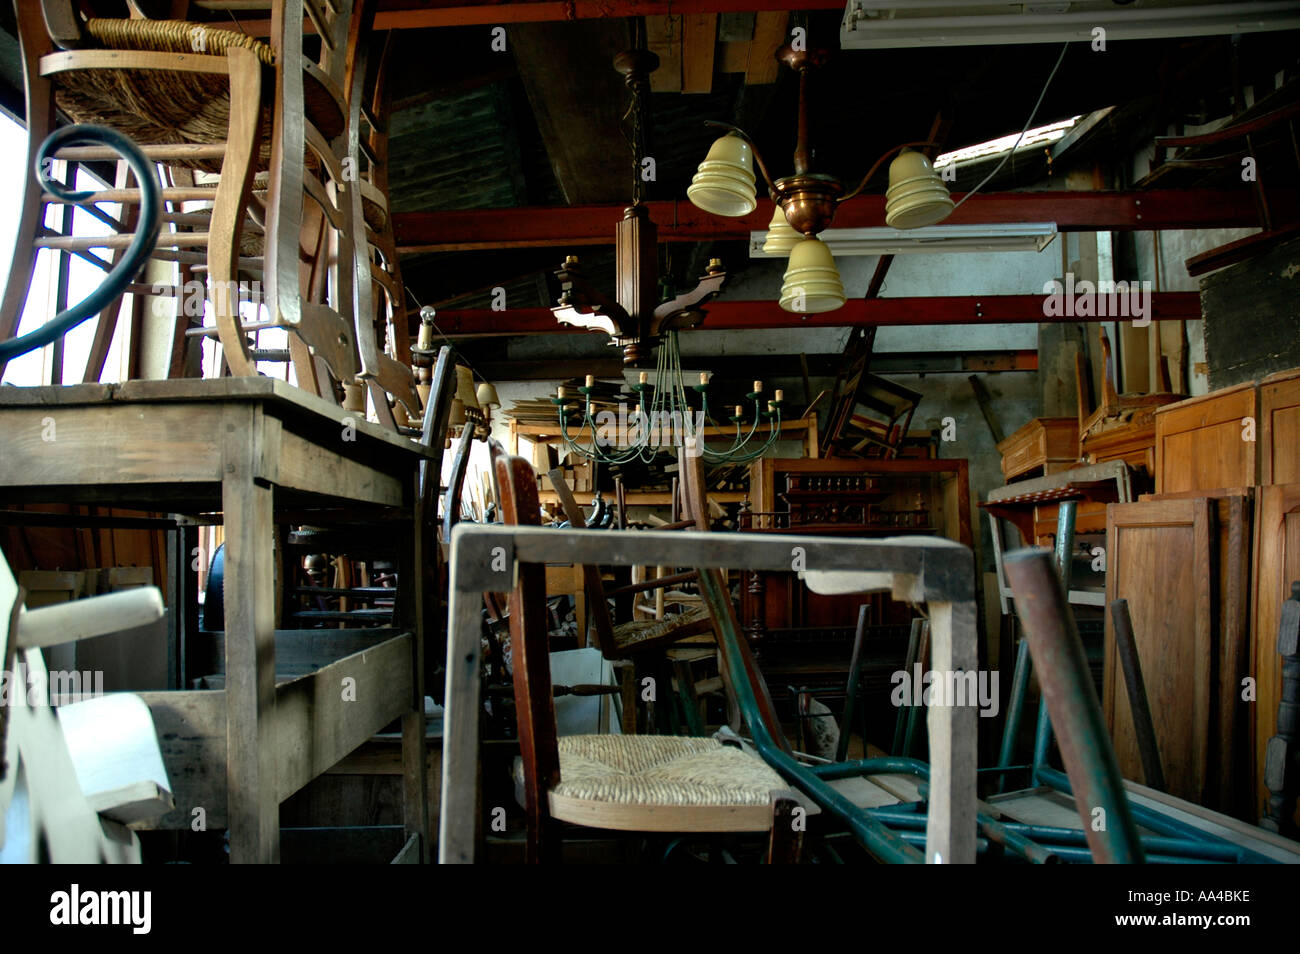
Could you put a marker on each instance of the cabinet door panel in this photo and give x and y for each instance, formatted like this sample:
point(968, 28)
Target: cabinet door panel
point(1159, 559)
point(1277, 564)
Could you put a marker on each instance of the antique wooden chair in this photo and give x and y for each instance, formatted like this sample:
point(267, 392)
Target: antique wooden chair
point(631, 637)
point(618, 782)
point(381, 295)
point(203, 100)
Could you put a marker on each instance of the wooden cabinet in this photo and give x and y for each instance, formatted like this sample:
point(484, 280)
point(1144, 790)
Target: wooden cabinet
point(805, 638)
point(1043, 446)
point(862, 497)
point(1208, 442)
point(1183, 566)
point(1279, 428)
point(1129, 434)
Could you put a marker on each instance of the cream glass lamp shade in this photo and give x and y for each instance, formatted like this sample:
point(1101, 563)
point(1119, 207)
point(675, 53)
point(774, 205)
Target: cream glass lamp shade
point(724, 184)
point(781, 236)
point(812, 282)
point(917, 196)
point(487, 395)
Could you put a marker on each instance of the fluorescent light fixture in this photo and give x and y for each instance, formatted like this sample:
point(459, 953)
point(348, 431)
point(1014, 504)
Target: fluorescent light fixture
point(868, 25)
point(1010, 237)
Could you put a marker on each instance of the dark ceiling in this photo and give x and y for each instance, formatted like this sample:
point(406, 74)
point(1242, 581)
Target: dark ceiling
point(539, 125)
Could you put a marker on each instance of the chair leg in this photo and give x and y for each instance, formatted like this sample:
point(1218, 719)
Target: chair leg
point(785, 841)
point(628, 686)
point(229, 207)
point(22, 265)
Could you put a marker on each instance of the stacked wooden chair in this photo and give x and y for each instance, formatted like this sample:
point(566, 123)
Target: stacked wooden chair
point(278, 129)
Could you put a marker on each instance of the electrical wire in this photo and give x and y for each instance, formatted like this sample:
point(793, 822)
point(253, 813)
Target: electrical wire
point(1029, 122)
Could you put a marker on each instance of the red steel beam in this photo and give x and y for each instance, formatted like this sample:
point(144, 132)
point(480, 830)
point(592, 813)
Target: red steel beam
point(420, 14)
point(744, 315)
point(679, 221)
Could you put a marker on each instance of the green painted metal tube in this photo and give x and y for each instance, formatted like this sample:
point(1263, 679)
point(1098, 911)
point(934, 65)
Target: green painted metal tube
point(851, 690)
point(885, 765)
point(900, 720)
point(884, 844)
point(1052, 836)
point(1008, 836)
point(1015, 709)
point(1157, 822)
point(1042, 740)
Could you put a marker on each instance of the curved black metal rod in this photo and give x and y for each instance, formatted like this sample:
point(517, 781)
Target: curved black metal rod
point(872, 171)
point(142, 243)
point(758, 159)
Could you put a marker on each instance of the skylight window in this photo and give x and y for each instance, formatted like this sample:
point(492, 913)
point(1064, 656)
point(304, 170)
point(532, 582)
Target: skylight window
point(1039, 136)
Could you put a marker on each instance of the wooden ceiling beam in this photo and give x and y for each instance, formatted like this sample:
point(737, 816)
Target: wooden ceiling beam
point(748, 315)
point(679, 221)
point(699, 45)
point(664, 38)
point(769, 36)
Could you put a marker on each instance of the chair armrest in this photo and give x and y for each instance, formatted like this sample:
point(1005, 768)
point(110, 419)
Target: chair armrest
point(93, 616)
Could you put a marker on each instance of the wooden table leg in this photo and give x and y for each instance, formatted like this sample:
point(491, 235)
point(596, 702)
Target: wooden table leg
point(246, 503)
point(415, 768)
point(459, 808)
point(950, 831)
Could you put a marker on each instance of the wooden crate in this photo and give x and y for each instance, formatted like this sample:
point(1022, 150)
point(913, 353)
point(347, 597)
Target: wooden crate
point(1044, 446)
point(1279, 428)
point(1208, 442)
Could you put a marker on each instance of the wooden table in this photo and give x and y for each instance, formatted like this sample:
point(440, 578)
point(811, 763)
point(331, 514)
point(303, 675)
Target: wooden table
point(248, 449)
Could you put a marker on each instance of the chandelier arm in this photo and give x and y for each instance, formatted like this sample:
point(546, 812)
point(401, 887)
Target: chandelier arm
point(872, 171)
point(758, 157)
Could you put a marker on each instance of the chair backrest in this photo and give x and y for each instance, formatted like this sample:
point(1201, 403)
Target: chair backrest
point(437, 414)
point(311, 117)
point(531, 660)
point(456, 482)
point(599, 620)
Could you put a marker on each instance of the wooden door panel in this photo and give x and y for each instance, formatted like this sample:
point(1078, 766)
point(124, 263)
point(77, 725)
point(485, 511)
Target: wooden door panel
point(1277, 564)
point(1159, 559)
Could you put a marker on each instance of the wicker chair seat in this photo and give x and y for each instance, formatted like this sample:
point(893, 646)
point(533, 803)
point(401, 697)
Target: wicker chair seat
point(374, 206)
point(175, 107)
point(660, 783)
point(634, 633)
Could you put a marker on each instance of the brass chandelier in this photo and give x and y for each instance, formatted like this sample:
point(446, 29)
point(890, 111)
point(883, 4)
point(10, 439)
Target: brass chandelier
point(806, 201)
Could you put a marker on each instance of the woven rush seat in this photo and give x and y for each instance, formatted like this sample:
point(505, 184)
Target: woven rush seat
point(374, 206)
point(634, 632)
point(173, 106)
point(660, 783)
